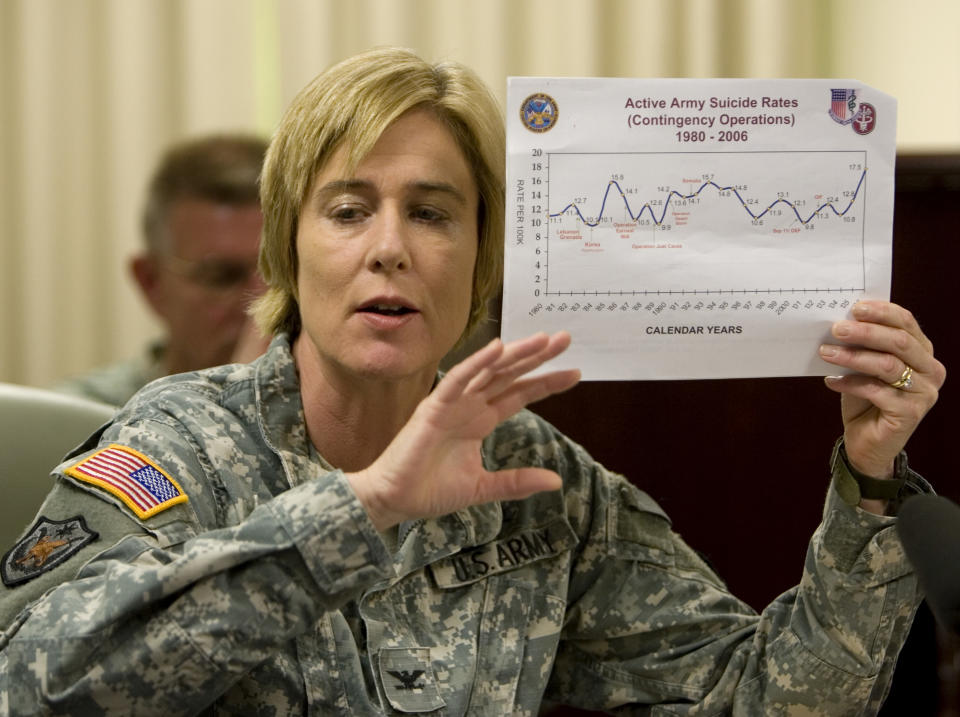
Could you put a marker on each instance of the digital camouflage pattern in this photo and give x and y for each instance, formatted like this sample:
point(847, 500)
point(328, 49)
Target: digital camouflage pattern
point(115, 384)
point(271, 593)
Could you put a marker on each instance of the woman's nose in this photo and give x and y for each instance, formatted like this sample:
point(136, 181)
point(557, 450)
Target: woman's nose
point(389, 249)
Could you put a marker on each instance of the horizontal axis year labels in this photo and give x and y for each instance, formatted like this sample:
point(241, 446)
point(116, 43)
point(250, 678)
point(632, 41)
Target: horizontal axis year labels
point(674, 292)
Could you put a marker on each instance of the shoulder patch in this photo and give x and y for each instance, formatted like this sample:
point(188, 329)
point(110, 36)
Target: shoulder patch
point(141, 484)
point(47, 544)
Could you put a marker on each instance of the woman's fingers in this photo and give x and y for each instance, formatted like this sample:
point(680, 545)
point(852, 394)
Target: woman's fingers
point(495, 366)
point(510, 366)
point(888, 368)
point(893, 315)
point(460, 376)
point(522, 393)
point(516, 484)
point(882, 341)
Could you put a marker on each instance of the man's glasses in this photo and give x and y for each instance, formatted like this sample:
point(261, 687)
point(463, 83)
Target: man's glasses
point(215, 275)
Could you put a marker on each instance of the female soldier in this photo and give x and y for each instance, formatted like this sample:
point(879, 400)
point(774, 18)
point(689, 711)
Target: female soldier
point(333, 530)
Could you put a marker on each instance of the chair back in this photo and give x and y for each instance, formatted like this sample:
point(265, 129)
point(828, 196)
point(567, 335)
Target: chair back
point(38, 428)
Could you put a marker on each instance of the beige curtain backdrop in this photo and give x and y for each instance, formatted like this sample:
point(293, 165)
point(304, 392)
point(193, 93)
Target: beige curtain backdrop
point(92, 90)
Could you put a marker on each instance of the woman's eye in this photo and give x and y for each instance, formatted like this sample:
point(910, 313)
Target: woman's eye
point(428, 214)
point(346, 214)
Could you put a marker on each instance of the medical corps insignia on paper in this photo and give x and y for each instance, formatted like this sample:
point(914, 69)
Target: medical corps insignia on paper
point(141, 484)
point(46, 545)
point(844, 110)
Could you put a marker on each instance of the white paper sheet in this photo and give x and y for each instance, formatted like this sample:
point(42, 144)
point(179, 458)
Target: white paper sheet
point(695, 228)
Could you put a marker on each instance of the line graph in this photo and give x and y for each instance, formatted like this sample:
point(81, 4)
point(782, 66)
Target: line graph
point(730, 188)
point(732, 220)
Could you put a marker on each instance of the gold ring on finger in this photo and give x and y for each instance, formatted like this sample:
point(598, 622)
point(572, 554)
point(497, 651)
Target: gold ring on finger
point(906, 379)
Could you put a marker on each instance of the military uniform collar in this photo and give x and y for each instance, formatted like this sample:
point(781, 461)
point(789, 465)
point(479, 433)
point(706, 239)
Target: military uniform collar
point(280, 411)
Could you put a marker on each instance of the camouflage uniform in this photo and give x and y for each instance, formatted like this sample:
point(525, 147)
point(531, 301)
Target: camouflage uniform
point(115, 384)
point(269, 592)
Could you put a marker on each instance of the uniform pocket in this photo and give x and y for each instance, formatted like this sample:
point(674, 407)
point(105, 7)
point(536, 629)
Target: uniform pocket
point(518, 640)
point(637, 527)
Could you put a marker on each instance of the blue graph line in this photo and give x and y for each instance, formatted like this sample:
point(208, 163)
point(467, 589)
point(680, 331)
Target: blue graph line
point(673, 193)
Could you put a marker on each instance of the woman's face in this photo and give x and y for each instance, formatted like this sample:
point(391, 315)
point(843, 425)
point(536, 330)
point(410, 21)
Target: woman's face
point(386, 255)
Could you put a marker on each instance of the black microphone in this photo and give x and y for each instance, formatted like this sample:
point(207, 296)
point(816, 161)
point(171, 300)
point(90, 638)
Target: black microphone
point(929, 527)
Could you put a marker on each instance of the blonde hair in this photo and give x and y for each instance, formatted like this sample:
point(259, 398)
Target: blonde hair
point(351, 105)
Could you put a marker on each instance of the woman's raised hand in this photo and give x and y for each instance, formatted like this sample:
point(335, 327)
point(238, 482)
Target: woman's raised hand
point(433, 466)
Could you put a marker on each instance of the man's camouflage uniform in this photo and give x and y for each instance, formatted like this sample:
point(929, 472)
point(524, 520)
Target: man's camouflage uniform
point(115, 384)
point(269, 591)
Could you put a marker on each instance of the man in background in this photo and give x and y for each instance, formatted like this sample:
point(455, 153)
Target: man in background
point(198, 268)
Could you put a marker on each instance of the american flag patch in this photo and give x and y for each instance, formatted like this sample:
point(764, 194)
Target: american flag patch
point(132, 477)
